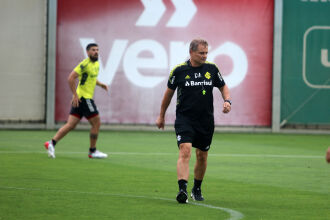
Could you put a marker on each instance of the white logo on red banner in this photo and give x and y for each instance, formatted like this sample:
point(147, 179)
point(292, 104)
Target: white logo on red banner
point(155, 9)
point(161, 62)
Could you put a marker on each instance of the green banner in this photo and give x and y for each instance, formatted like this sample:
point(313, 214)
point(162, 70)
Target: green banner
point(305, 86)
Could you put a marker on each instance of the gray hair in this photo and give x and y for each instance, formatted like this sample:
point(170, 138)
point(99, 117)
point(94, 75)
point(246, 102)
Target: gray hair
point(195, 42)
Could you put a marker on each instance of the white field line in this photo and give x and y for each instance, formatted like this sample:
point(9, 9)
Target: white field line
point(234, 215)
point(174, 154)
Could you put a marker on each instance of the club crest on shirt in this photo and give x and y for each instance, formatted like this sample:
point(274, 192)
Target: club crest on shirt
point(207, 75)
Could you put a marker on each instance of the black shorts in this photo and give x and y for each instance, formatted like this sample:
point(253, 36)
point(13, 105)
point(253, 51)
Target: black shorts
point(198, 133)
point(86, 108)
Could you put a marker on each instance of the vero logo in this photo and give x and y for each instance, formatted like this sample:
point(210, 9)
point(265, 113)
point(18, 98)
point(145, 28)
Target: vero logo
point(316, 57)
point(127, 52)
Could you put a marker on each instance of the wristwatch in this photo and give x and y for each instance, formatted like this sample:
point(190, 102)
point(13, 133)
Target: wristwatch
point(227, 100)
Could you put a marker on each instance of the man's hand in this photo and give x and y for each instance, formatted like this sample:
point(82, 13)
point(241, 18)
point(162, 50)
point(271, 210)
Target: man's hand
point(160, 122)
point(226, 107)
point(102, 85)
point(75, 101)
point(327, 156)
point(226, 97)
point(105, 87)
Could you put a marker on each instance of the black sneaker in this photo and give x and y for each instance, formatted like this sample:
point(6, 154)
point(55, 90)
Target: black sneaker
point(182, 196)
point(196, 194)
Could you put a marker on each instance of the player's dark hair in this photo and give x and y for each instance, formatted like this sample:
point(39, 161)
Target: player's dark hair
point(195, 42)
point(91, 45)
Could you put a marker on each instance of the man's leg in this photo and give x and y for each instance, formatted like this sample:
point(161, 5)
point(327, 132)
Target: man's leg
point(69, 125)
point(94, 132)
point(199, 172)
point(95, 123)
point(65, 129)
point(201, 164)
point(183, 161)
point(183, 171)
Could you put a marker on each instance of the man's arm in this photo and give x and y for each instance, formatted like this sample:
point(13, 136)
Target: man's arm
point(72, 83)
point(160, 122)
point(102, 85)
point(226, 96)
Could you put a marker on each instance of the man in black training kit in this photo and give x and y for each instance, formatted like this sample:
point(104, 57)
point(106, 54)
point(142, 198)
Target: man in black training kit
point(194, 124)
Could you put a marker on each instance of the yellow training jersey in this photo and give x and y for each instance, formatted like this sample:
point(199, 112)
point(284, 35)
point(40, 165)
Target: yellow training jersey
point(87, 71)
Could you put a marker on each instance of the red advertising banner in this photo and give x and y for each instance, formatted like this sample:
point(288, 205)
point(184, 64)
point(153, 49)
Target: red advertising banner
point(140, 42)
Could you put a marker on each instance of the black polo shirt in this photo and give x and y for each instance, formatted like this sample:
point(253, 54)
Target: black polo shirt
point(195, 89)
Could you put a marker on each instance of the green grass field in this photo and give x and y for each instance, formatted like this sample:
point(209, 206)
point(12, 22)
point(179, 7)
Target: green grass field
point(249, 176)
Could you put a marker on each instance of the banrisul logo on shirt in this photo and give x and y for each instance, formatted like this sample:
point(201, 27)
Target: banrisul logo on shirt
point(202, 83)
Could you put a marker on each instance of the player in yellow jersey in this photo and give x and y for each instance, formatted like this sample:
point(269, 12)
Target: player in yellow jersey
point(82, 102)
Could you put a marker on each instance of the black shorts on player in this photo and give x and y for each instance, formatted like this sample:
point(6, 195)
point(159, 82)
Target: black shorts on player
point(86, 108)
point(199, 134)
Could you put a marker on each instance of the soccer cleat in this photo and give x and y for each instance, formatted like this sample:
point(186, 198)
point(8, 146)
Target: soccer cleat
point(50, 148)
point(97, 154)
point(196, 194)
point(182, 196)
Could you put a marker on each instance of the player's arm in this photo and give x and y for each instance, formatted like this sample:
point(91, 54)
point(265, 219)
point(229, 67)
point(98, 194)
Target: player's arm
point(72, 83)
point(327, 156)
point(226, 97)
point(160, 122)
point(102, 85)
